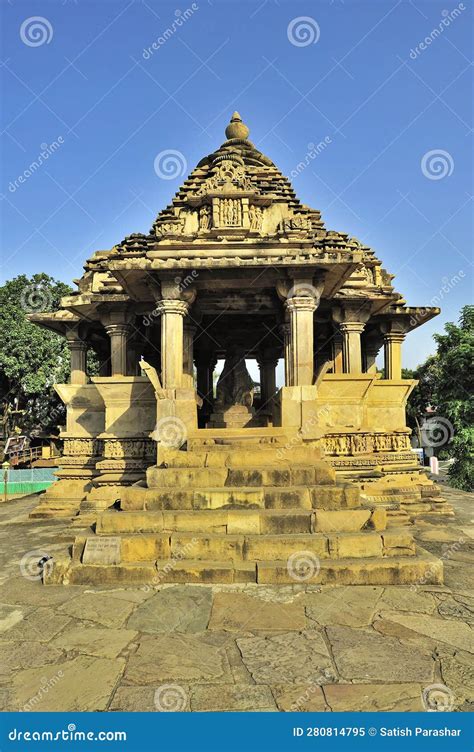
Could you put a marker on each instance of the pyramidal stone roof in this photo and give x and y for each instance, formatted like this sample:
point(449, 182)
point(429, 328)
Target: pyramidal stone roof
point(256, 171)
point(237, 169)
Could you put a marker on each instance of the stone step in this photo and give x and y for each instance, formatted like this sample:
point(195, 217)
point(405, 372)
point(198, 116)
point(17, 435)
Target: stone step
point(318, 472)
point(52, 509)
point(322, 497)
point(150, 547)
point(236, 521)
point(267, 455)
point(401, 570)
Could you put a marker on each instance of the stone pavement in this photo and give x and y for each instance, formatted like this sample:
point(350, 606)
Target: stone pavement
point(229, 647)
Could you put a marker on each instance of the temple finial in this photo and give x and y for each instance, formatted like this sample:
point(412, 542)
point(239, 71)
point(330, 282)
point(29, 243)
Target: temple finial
point(236, 128)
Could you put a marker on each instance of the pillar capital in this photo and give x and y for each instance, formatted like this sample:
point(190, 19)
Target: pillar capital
point(351, 312)
point(301, 303)
point(350, 327)
point(117, 329)
point(170, 306)
point(397, 337)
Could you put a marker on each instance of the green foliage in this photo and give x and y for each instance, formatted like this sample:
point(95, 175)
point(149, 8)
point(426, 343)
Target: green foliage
point(455, 395)
point(446, 385)
point(31, 359)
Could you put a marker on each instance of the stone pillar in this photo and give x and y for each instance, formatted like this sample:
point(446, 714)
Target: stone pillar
point(78, 352)
point(118, 333)
point(172, 314)
point(370, 350)
point(301, 364)
point(267, 363)
point(189, 330)
point(337, 353)
point(351, 348)
point(285, 332)
point(393, 354)
point(212, 367)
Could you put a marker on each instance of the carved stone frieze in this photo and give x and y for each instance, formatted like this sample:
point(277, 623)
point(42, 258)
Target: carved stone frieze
point(365, 443)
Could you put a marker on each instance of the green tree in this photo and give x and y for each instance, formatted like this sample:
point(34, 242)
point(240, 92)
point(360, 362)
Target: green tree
point(32, 359)
point(423, 395)
point(454, 395)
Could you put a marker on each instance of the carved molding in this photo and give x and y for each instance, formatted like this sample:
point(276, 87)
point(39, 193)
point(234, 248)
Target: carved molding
point(365, 443)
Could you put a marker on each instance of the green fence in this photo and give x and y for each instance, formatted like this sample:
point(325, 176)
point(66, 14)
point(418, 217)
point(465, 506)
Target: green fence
point(29, 481)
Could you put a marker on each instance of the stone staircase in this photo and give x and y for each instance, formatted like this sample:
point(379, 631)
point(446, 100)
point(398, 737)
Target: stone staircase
point(239, 506)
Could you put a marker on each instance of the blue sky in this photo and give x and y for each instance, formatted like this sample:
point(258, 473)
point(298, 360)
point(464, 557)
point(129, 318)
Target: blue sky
point(395, 171)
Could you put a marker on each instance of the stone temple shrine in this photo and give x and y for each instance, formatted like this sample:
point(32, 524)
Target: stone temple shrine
point(170, 477)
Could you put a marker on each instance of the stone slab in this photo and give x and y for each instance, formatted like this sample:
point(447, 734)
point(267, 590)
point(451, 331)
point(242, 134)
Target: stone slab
point(446, 631)
point(99, 608)
point(15, 656)
point(40, 625)
point(232, 698)
point(245, 613)
point(348, 606)
point(95, 641)
point(180, 608)
point(287, 658)
point(405, 599)
point(400, 698)
point(300, 698)
point(364, 655)
point(177, 658)
point(81, 684)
